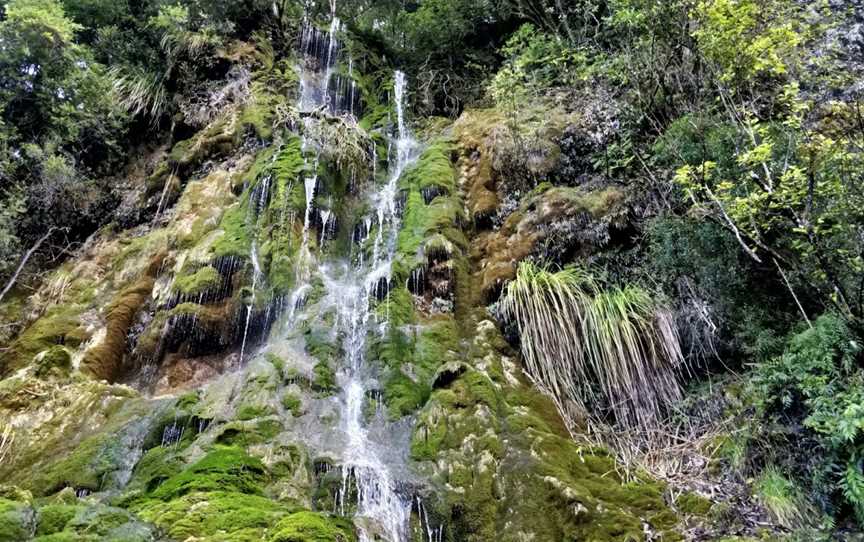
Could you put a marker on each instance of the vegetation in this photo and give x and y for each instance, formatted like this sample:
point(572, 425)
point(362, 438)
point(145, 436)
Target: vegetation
point(595, 350)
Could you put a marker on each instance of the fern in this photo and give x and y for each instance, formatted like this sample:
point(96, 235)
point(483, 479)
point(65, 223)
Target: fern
point(852, 486)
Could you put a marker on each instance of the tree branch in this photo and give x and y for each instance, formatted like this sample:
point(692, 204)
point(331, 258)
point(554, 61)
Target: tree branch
point(24, 261)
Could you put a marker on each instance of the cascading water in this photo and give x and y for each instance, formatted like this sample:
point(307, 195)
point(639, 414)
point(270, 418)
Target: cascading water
point(381, 510)
point(377, 496)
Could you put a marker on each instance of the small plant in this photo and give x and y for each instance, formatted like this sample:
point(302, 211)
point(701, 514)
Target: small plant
point(292, 403)
point(783, 498)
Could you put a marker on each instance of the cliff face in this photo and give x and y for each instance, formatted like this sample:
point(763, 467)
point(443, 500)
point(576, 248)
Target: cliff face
point(296, 344)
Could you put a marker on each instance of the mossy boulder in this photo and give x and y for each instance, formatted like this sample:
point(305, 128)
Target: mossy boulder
point(313, 527)
point(56, 361)
point(222, 469)
point(215, 516)
point(17, 520)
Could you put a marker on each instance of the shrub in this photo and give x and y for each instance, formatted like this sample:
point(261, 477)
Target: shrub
point(818, 383)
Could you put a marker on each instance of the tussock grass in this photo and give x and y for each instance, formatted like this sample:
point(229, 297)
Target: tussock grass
point(605, 355)
point(141, 93)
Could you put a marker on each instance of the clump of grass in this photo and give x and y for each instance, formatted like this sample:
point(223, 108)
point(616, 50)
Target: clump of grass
point(599, 352)
point(782, 498)
point(141, 93)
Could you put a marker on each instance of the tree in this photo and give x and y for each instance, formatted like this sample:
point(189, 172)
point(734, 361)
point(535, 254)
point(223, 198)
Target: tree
point(792, 197)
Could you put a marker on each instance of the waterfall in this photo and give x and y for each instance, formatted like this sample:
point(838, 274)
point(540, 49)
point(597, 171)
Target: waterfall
point(352, 287)
point(377, 497)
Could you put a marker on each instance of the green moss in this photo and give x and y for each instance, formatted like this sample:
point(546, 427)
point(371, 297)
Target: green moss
point(431, 430)
point(217, 516)
point(436, 342)
point(245, 433)
point(187, 401)
point(105, 522)
point(15, 520)
point(235, 240)
point(478, 425)
point(222, 469)
point(59, 325)
point(86, 467)
point(258, 113)
point(277, 362)
point(437, 223)
point(319, 344)
point(104, 360)
point(397, 307)
point(693, 505)
point(155, 466)
point(289, 199)
point(404, 396)
point(55, 361)
point(292, 403)
point(53, 518)
point(250, 412)
point(475, 387)
point(200, 281)
point(433, 168)
point(66, 536)
point(324, 380)
point(313, 527)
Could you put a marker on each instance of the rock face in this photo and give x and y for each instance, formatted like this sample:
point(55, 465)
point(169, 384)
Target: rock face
point(192, 379)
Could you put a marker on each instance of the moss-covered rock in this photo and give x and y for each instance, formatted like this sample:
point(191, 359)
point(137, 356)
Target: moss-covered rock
point(508, 467)
point(200, 281)
point(579, 220)
point(17, 520)
point(56, 361)
point(215, 516)
point(312, 527)
point(104, 360)
point(54, 518)
point(222, 469)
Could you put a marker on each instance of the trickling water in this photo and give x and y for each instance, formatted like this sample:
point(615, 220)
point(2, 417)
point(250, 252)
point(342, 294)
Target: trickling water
point(325, 220)
point(257, 202)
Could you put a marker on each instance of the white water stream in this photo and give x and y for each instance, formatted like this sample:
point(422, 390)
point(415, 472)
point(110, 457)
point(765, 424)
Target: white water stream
point(382, 511)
